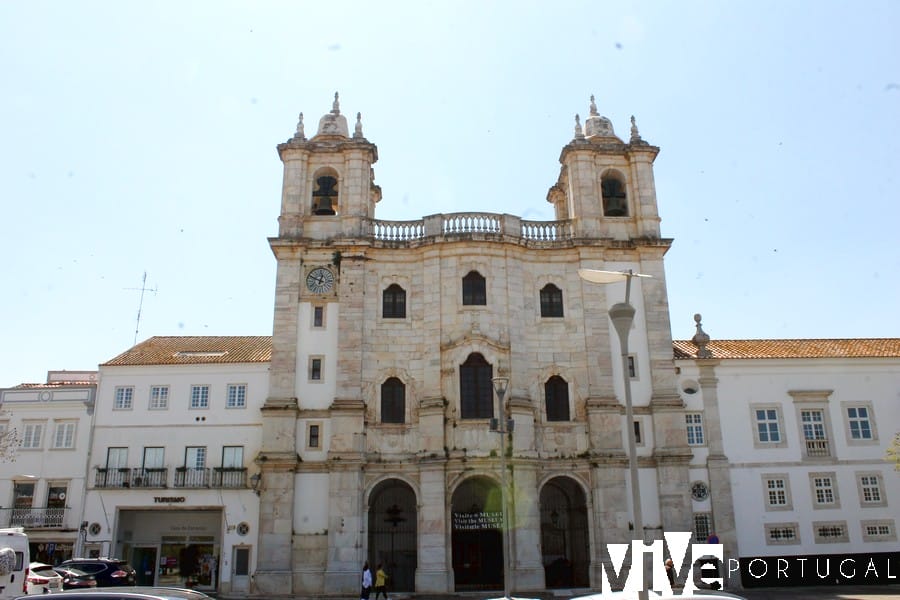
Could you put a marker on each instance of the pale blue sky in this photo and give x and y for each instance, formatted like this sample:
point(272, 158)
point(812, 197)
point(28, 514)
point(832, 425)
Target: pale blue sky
point(141, 137)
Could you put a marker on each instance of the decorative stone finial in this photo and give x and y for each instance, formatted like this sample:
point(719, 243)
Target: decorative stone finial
point(701, 339)
point(300, 135)
point(357, 131)
point(579, 132)
point(593, 107)
point(635, 136)
point(336, 105)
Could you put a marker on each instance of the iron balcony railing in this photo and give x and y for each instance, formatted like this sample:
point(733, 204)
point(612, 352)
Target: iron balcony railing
point(33, 518)
point(818, 448)
point(184, 477)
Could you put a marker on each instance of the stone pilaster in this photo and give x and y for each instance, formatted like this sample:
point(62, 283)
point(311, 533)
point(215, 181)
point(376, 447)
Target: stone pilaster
point(526, 566)
point(346, 514)
point(432, 575)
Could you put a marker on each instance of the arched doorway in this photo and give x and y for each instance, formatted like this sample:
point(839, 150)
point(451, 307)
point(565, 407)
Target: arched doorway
point(392, 533)
point(477, 530)
point(565, 545)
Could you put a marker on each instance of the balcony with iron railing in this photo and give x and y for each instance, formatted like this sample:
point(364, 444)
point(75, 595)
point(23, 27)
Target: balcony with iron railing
point(184, 477)
point(33, 518)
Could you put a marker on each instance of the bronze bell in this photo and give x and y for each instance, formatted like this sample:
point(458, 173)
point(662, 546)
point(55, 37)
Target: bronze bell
point(326, 195)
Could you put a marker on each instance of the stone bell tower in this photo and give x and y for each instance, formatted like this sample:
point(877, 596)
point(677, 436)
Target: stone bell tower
point(327, 205)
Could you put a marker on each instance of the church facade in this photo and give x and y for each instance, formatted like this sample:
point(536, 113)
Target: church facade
point(378, 442)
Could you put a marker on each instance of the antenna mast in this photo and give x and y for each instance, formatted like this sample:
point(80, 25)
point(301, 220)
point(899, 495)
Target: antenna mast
point(141, 289)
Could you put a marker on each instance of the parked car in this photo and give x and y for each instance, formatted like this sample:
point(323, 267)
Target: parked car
point(132, 593)
point(107, 571)
point(42, 579)
point(75, 579)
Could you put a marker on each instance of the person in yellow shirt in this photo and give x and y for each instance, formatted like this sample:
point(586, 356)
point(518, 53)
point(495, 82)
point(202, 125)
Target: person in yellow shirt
point(380, 582)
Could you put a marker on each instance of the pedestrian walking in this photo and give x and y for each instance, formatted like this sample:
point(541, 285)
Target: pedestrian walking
point(380, 582)
point(366, 582)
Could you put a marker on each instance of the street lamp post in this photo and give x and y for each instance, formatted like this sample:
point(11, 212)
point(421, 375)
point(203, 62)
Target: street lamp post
point(500, 386)
point(622, 316)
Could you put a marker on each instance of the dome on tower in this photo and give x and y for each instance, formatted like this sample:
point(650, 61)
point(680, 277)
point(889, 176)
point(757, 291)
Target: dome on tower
point(334, 123)
point(597, 126)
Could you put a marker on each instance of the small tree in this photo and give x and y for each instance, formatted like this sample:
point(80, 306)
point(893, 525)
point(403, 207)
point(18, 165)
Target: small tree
point(9, 444)
point(893, 452)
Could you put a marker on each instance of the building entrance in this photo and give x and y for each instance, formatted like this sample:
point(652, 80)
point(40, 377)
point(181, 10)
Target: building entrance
point(392, 533)
point(477, 535)
point(564, 534)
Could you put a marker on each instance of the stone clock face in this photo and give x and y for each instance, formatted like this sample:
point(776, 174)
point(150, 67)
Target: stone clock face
point(320, 281)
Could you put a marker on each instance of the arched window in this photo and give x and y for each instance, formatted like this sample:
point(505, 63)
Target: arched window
point(556, 397)
point(393, 401)
point(476, 392)
point(615, 203)
point(474, 289)
point(325, 196)
point(393, 302)
point(551, 301)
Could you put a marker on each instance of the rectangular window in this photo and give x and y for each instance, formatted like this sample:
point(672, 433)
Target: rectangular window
point(781, 534)
point(31, 435)
point(318, 316)
point(881, 530)
point(777, 491)
point(813, 422)
point(116, 458)
point(237, 396)
point(860, 425)
point(56, 496)
point(23, 494)
point(65, 435)
point(199, 396)
point(632, 366)
point(702, 527)
point(313, 436)
point(195, 457)
point(233, 457)
point(870, 490)
point(830, 532)
point(694, 423)
point(767, 430)
point(159, 397)
point(154, 458)
point(124, 398)
point(637, 433)
point(824, 490)
point(315, 369)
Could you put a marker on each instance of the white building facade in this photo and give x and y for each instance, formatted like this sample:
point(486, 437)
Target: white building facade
point(42, 488)
point(171, 472)
point(803, 427)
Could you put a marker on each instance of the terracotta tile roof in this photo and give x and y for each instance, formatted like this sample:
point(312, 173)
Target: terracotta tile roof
point(54, 385)
point(809, 348)
point(196, 350)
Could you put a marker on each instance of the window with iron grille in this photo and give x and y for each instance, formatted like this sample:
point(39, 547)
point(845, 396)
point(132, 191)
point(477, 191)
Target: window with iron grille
point(551, 301)
point(556, 397)
point(475, 388)
point(393, 401)
point(830, 532)
point(393, 302)
point(474, 289)
point(702, 527)
point(781, 534)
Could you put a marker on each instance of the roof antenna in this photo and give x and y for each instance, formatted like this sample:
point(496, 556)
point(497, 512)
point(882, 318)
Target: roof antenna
point(141, 289)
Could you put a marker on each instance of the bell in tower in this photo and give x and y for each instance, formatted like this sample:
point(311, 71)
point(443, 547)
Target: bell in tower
point(325, 196)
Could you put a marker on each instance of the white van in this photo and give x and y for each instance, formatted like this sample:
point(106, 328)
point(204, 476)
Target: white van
point(14, 561)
